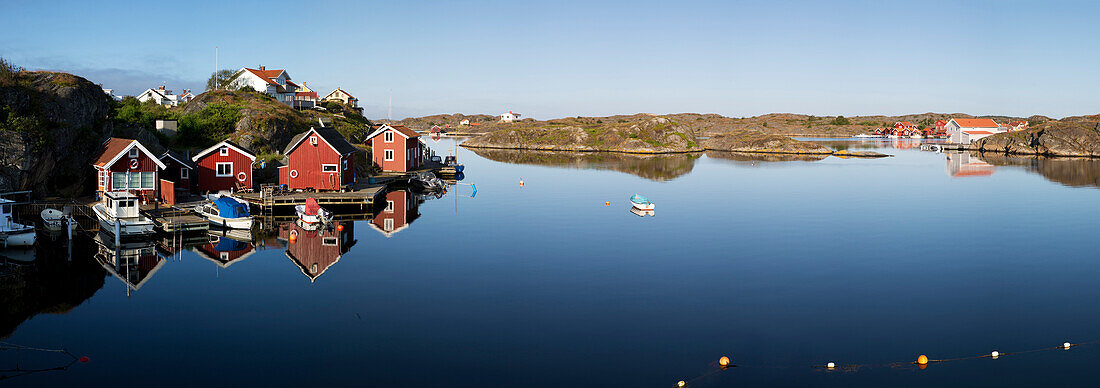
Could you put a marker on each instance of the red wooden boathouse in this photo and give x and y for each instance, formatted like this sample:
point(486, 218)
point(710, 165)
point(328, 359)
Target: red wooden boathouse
point(396, 148)
point(126, 165)
point(319, 159)
point(224, 167)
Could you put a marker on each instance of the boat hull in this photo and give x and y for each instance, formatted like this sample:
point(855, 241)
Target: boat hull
point(231, 223)
point(321, 216)
point(642, 206)
point(140, 227)
point(22, 238)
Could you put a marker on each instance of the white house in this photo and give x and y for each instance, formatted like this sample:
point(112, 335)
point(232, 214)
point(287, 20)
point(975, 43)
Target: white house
point(275, 83)
point(965, 131)
point(343, 97)
point(509, 117)
point(111, 93)
point(464, 122)
point(164, 96)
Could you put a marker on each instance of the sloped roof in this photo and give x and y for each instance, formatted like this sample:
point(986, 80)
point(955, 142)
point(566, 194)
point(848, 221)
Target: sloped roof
point(976, 123)
point(109, 149)
point(329, 135)
point(403, 130)
point(232, 145)
point(186, 162)
point(341, 91)
point(266, 75)
point(978, 132)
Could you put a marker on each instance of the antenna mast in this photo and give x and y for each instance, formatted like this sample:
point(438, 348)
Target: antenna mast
point(389, 115)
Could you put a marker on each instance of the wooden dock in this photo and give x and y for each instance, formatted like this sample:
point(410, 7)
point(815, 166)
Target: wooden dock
point(172, 219)
point(268, 197)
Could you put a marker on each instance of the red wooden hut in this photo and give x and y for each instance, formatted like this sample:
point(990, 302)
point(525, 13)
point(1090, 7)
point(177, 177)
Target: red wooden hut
point(402, 208)
point(319, 159)
point(126, 165)
point(396, 148)
point(224, 167)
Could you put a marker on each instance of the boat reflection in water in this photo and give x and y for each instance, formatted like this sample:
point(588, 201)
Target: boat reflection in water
point(641, 213)
point(402, 207)
point(315, 248)
point(225, 247)
point(963, 164)
point(134, 263)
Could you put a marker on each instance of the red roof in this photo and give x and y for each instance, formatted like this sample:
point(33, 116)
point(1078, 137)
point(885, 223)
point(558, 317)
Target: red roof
point(976, 123)
point(309, 94)
point(111, 148)
point(266, 75)
point(978, 132)
point(405, 130)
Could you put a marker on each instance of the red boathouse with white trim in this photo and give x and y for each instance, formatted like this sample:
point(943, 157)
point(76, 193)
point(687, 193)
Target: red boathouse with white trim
point(126, 165)
point(224, 167)
point(319, 159)
point(396, 148)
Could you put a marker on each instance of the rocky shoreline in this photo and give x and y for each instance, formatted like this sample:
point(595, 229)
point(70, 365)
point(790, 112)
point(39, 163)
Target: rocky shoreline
point(1077, 136)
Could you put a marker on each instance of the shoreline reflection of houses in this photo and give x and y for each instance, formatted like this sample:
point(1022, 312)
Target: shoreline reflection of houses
point(316, 249)
point(963, 164)
point(402, 207)
point(225, 248)
point(134, 263)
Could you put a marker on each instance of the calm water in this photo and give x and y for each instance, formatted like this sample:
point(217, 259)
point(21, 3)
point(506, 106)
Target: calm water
point(780, 264)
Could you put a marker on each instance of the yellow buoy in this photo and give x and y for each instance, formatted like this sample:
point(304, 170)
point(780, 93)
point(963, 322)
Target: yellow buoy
point(922, 360)
point(995, 354)
point(1066, 345)
point(724, 361)
point(681, 383)
point(830, 365)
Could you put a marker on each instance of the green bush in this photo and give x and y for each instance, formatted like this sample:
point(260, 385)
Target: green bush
point(212, 124)
point(840, 120)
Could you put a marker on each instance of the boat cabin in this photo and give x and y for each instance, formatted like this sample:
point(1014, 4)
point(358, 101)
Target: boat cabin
point(225, 166)
point(396, 148)
point(125, 164)
point(121, 204)
point(319, 159)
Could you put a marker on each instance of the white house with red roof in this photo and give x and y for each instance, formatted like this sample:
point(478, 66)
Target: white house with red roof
point(275, 83)
point(166, 97)
point(509, 117)
point(965, 131)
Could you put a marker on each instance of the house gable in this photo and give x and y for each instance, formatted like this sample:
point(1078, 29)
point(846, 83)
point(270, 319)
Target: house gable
point(113, 149)
point(224, 143)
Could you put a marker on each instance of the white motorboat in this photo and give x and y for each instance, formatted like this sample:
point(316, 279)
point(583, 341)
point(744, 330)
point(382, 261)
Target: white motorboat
point(641, 203)
point(312, 213)
point(119, 210)
point(865, 136)
point(13, 234)
point(226, 212)
point(427, 181)
point(55, 220)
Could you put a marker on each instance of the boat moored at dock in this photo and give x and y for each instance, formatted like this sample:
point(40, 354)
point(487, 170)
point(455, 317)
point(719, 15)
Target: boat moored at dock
point(226, 212)
point(641, 203)
point(119, 211)
point(13, 234)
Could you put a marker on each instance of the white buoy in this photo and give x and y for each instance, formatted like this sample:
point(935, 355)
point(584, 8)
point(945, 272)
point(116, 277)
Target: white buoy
point(830, 365)
point(1066, 345)
point(995, 354)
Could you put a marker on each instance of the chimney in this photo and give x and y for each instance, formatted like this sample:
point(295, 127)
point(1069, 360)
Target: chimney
point(261, 67)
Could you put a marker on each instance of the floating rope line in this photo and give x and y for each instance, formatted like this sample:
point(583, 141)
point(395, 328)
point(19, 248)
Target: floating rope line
point(921, 362)
point(17, 371)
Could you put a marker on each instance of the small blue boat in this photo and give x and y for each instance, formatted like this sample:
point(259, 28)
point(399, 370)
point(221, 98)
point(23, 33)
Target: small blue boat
point(640, 202)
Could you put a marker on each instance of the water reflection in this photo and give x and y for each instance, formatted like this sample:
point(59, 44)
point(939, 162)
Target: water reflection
point(315, 249)
point(50, 283)
point(134, 263)
point(225, 247)
point(1072, 172)
point(402, 207)
point(753, 158)
point(964, 164)
point(654, 167)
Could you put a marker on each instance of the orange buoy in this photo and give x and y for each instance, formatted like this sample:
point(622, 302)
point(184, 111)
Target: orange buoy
point(608, 203)
point(922, 360)
point(293, 238)
point(724, 361)
point(340, 228)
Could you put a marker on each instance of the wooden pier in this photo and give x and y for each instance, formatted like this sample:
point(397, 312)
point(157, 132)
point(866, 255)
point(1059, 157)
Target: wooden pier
point(172, 219)
point(940, 147)
point(269, 197)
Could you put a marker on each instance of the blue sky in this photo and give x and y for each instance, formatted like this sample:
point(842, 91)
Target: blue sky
point(566, 58)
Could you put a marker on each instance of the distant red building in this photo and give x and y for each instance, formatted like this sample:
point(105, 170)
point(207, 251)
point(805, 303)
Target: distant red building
point(402, 207)
point(319, 159)
point(396, 148)
point(904, 128)
point(126, 165)
point(224, 167)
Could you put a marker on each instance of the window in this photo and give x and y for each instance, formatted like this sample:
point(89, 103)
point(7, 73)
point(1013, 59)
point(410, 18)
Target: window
point(331, 241)
point(389, 155)
point(387, 224)
point(134, 152)
point(185, 173)
point(7, 209)
point(345, 164)
point(389, 137)
point(328, 168)
point(118, 181)
point(148, 180)
point(224, 169)
point(389, 206)
point(313, 140)
point(224, 151)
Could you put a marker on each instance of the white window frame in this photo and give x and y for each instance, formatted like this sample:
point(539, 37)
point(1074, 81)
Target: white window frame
point(345, 164)
point(329, 241)
point(134, 152)
point(335, 167)
point(389, 207)
point(388, 137)
point(217, 166)
point(224, 151)
point(387, 224)
point(387, 155)
point(185, 173)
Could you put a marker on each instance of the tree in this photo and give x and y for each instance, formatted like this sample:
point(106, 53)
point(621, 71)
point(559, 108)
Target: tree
point(841, 120)
point(220, 79)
